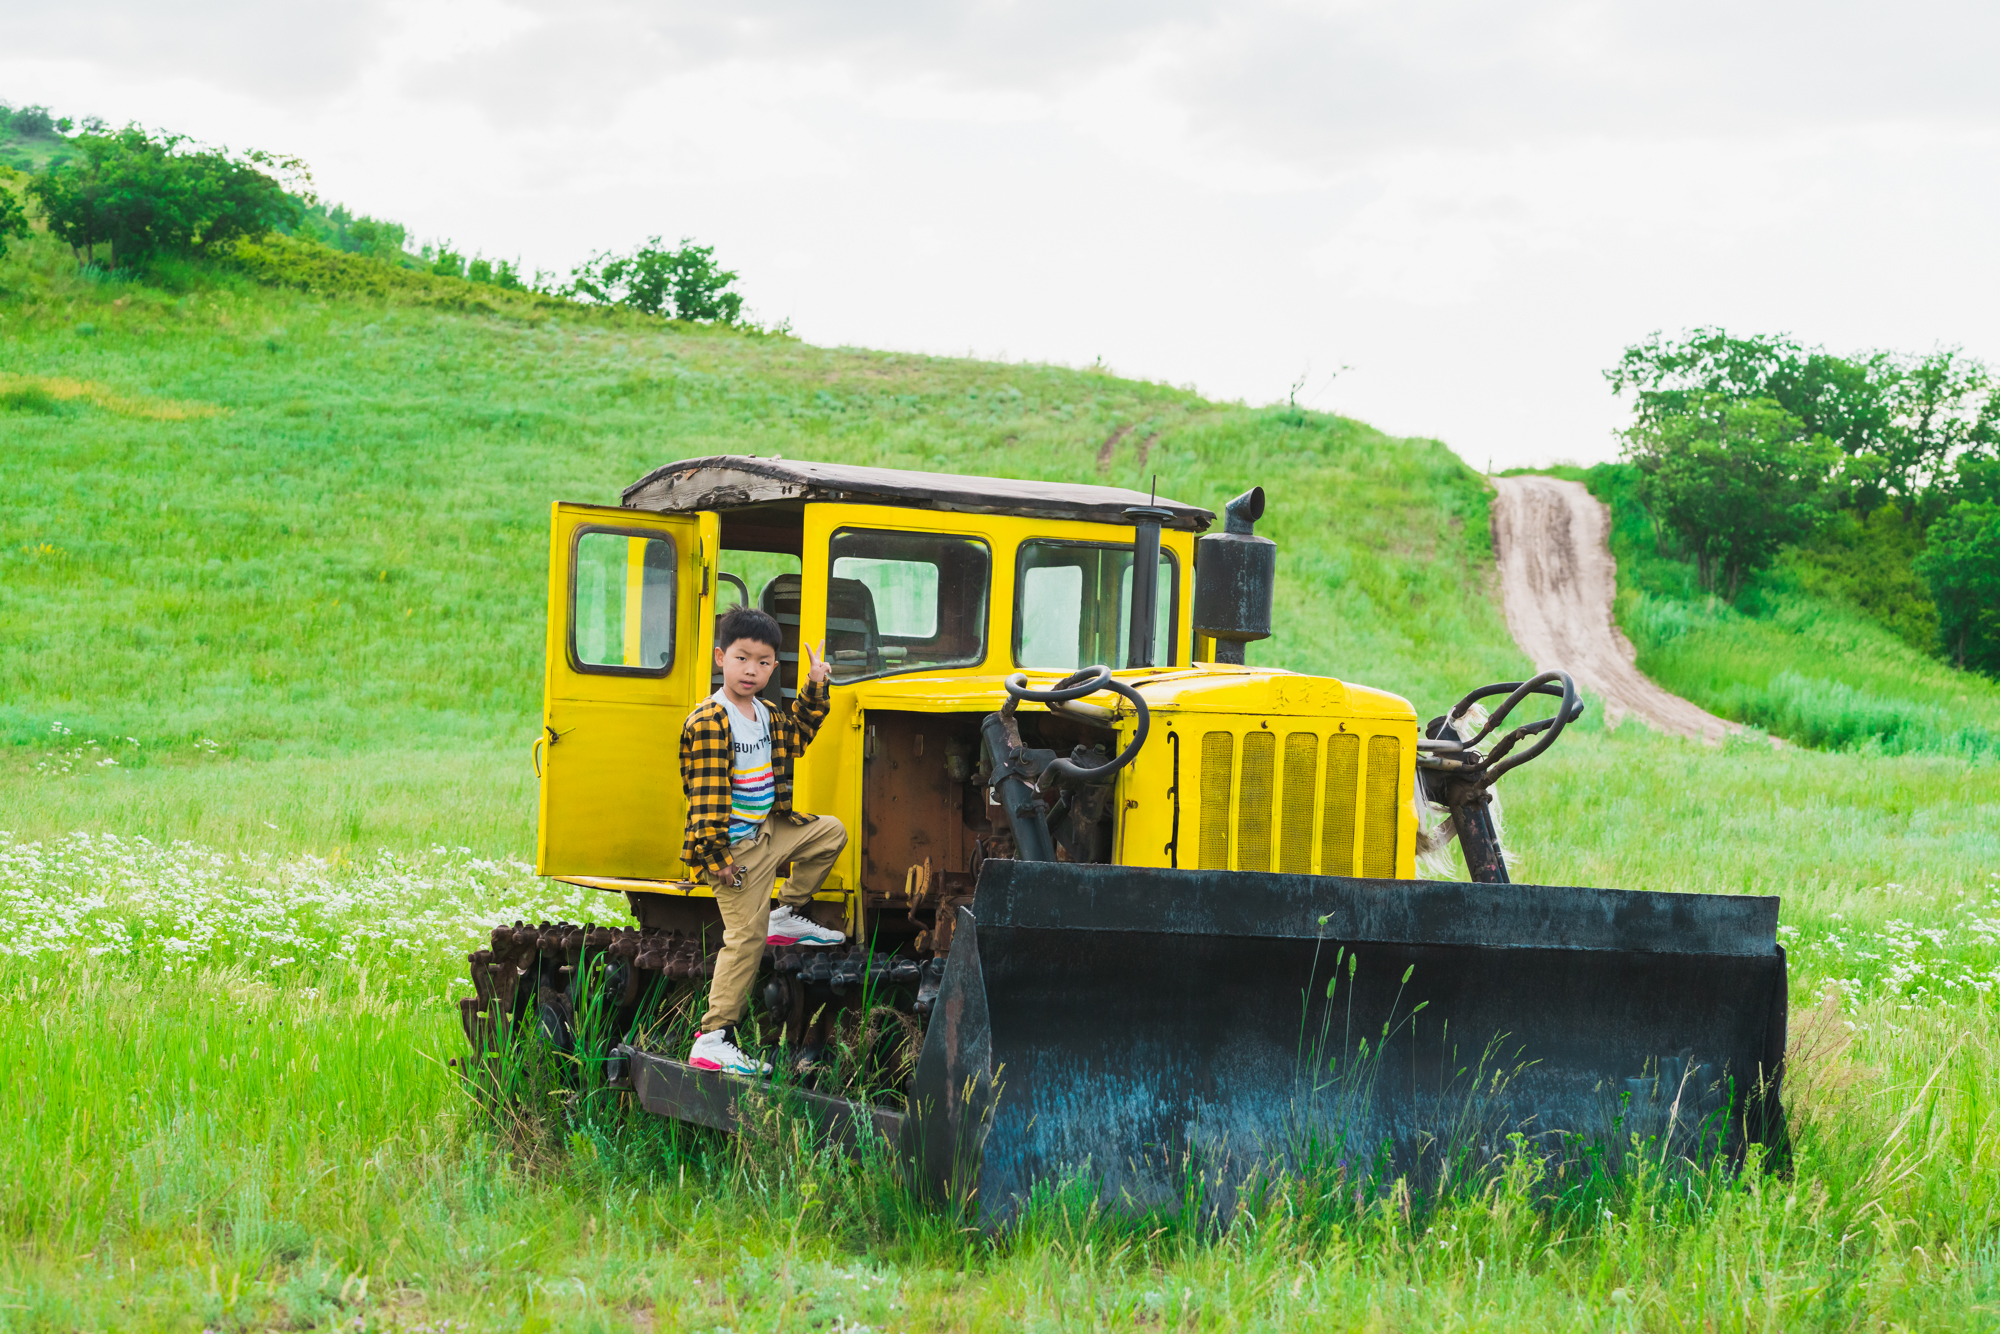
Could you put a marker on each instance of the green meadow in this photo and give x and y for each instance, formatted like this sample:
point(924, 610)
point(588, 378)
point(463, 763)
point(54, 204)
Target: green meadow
point(272, 574)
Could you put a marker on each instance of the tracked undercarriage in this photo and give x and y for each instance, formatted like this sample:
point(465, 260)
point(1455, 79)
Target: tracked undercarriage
point(605, 989)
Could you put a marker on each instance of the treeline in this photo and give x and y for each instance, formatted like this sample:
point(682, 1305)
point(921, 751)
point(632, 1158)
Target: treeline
point(1748, 446)
point(126, 199)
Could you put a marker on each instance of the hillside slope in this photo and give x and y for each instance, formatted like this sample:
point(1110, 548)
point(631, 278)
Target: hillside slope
point(1792, 656)
point(307, 533)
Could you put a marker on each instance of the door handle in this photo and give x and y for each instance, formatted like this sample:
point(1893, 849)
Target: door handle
point(535, 754)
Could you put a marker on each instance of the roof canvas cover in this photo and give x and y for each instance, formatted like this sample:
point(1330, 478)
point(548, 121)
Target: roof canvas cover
point(734, 481)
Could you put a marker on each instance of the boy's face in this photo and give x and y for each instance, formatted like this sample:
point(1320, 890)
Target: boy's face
point(746, 666)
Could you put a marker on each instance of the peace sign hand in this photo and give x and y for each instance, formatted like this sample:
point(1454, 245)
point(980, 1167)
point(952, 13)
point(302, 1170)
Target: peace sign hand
point(821, 669)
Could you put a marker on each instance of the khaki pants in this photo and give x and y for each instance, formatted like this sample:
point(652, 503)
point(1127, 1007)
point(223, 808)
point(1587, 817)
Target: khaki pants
point(746, 909)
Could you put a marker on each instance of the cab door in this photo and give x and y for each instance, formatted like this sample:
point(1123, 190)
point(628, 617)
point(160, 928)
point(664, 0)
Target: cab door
point(631, 617)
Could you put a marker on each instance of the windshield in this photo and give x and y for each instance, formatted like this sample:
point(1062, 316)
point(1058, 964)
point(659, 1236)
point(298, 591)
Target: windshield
point(1073, 602)
point(899, 602)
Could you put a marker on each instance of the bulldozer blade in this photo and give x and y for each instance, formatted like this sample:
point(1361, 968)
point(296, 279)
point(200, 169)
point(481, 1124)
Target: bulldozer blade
point(1168, 1034)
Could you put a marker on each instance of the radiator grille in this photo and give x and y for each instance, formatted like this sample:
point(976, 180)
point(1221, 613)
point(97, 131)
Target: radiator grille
point(1218, 758)
point(1378, 829)
point(1295, 835)
point(1254, 806)
point(1343, 775)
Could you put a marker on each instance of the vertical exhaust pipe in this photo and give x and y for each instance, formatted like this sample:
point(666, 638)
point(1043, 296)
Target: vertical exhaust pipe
point(1144, 626)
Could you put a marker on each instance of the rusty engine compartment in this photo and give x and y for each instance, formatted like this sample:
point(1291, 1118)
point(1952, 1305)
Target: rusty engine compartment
point(929, 819)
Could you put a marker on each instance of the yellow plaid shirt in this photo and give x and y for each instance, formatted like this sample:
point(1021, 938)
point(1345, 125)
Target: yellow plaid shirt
point(706, 749)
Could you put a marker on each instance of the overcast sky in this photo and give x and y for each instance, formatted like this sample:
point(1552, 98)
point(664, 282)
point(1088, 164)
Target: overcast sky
point(1445, 219)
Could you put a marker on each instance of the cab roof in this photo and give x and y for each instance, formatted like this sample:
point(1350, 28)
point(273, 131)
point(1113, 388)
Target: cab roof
point(738, 481)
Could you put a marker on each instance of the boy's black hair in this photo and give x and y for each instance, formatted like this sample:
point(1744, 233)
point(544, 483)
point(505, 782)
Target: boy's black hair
point(749, 623)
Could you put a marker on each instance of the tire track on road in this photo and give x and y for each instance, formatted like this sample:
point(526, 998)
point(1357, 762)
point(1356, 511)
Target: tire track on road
point(1558, 582)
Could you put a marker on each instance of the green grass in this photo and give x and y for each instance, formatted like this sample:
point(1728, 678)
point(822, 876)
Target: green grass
point(280, 554)
point(1826, 649)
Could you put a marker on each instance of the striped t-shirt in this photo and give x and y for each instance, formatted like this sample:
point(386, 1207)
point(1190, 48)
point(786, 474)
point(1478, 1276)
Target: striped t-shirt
point(752, 785)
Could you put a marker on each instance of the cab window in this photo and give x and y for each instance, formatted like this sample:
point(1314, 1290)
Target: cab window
point(621, 603)
point(899, 602)
point(1073, 603)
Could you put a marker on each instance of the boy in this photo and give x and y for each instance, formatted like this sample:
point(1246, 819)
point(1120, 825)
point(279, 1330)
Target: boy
point(736, 768)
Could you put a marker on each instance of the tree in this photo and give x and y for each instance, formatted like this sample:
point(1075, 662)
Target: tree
point(1978, 479)
point(683, 284)
point(351, 234)
point(1945, 411)
point(1732, 480)
point(13, 218)
point(495, 272)
point(142, 196)
point(34, 123)
point(1961, 562)
point(1901, 421)
point(373, 236)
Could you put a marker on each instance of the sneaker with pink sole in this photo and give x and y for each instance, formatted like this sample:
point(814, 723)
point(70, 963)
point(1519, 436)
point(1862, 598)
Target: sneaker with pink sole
point(790, 928)
point(716, 1051)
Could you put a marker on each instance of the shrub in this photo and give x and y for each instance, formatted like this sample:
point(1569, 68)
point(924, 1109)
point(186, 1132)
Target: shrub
point(349, 234)
point(288, 261)
point(141, 196)
point(683, 284)
point(1867, 563)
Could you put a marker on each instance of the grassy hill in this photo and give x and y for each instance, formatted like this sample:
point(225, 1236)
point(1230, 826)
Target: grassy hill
point(279, 552)
point(300, 530)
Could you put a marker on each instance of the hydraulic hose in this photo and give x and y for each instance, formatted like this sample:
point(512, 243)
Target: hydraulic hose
point(1548, 683)
point(1460, 778)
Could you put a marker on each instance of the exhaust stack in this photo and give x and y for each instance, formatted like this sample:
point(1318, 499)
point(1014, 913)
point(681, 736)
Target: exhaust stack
point(1235, 575)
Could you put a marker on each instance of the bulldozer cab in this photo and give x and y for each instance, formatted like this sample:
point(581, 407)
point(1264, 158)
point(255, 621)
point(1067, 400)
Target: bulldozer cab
point(925, 596)
point(928, 593)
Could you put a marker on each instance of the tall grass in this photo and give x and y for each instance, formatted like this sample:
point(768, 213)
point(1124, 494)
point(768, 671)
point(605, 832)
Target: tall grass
point(210, 1149)
point(1815, 673)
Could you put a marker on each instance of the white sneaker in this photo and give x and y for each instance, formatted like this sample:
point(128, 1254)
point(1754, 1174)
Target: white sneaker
point(714, 1051)
point(789, 928)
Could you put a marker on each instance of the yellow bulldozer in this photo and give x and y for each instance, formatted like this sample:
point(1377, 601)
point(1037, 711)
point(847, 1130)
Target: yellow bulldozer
point(1117, 903)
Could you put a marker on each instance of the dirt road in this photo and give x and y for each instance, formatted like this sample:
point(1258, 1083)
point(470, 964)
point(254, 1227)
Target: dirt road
point(1557, 578)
